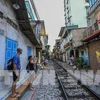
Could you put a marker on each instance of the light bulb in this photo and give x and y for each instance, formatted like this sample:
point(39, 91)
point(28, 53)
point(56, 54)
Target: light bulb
point(16, 6)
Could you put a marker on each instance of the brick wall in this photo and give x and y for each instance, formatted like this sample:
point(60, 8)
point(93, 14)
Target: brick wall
point(93, 47)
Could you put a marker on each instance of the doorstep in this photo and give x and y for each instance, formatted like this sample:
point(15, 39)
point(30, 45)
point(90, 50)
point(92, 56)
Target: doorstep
point(21, 89)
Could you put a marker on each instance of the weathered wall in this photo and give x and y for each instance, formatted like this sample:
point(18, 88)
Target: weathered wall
point(10, 32)
point(78, 13)
point(77, 35)
point(17, 35)
point(93, 47)
point(93, 16)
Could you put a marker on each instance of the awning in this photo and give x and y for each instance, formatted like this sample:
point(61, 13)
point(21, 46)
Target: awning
point(23, 21)
point(68, 28)
point(97, 33)
point(61, 31)
point(71, 27)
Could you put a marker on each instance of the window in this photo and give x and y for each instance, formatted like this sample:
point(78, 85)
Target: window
point(11, 50)
point(29, 10)
point(29, 51)
point(91, 2)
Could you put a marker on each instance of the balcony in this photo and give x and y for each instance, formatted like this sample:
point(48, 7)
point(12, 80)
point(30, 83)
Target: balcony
point(24, 22)
point(91, 32)
point(94, 6)
point(67, 29)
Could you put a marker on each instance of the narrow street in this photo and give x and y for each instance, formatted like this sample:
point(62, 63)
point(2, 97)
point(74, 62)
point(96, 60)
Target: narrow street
point(49, 49)
point(45, 89)
point(48, 85)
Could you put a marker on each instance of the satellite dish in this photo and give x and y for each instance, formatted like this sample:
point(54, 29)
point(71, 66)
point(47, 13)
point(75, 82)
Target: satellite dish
point(16, 6)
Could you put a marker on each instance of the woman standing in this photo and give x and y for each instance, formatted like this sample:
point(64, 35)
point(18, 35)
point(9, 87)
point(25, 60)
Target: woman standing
point(30, 70)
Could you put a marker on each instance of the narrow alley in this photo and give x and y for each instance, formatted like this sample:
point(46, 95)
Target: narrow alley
point(49, 49)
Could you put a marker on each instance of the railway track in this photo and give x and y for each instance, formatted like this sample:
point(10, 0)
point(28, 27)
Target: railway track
point(45, 91)
point(72, 88)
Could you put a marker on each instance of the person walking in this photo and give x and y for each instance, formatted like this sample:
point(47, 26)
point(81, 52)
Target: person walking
point(30, 70)
point(16, 72)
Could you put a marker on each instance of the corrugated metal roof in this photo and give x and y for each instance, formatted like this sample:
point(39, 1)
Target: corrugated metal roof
point(24, 23)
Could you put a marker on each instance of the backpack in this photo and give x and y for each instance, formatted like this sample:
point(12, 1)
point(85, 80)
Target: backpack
point(10, 64)
point(27, 68)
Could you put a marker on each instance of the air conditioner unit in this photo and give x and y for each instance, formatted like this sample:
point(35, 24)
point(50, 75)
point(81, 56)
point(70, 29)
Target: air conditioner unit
point(86, 4)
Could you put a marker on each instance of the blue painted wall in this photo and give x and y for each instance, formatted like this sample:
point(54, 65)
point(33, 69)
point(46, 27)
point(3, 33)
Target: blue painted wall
point(11, 49)
point(84, 55)
point(91, 2)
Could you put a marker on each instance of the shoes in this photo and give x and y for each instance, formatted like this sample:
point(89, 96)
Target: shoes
point(32, 89)
point(15, 95)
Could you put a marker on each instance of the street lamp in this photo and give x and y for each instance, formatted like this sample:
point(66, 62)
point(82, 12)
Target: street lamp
point(16, 6)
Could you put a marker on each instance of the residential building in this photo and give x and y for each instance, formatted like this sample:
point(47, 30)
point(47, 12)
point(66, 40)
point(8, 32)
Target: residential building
point(44, 40)
point(91, 36)
point(62, 43)
point(16, 30)
point(31, 9)
point(76, 23)
point(70, 42)
point(56, 49)
point(44, 36)
point(75, 13)
point(47, 54)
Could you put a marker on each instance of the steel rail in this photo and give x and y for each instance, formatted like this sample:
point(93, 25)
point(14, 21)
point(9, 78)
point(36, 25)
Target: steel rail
point(66, 96)
point(79, 81)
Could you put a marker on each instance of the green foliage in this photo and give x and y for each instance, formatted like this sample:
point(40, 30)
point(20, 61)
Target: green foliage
point(79, 62)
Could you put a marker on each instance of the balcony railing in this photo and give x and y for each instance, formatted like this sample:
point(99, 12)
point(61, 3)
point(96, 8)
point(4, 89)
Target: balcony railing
point(94, 6)
point(91, 30)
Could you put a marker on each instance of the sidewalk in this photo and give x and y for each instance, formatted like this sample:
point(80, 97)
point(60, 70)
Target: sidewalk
point(21, 89)
point(5, 91)
point(46, 86)
point(87, 78)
